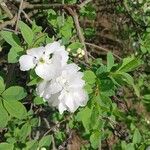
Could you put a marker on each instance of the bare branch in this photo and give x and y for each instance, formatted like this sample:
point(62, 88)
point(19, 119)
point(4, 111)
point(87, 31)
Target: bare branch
point(10, 22)
point(18, 16)
point(102, 48)
point(7, 11)
point(74, 15)
point(84, 3)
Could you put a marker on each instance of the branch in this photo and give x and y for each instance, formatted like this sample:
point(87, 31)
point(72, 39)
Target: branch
point(18, 16)
point(7, 11)
point(84, 3)
point(74, 15)
point(56, 125)
point(27, 5)
point(102, 48)
point(6, 23)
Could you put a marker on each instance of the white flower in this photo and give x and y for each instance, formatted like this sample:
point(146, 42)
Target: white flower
point(65, 91)
point(46, 60)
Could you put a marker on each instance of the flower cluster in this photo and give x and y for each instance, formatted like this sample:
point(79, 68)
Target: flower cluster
point(62, 84)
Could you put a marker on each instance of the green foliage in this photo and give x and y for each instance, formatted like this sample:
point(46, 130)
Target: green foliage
point(26, 33)
point(11, 38)
point(26, 120)
point(14, 93)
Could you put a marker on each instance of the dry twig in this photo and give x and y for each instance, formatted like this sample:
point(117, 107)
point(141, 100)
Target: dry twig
point(102, 48)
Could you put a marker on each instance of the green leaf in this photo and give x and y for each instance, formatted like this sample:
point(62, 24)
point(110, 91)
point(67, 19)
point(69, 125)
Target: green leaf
point(2, 85)
point(14, 54)
point(110, 61)
point(26, 32)
point(89, 77)
point(45, 141)
point(6, 146)
point(85, 116)
point(95, 139)
point(15, 109)
point(129, 80)
point(129, 64)
point(38, 100)
point(11, 38)
point(34, 81)
point(105, 101)
point(74, 46)
point(137, 136)
point(4, 118)
point(25, 131)
point(130, 146)
point(14, 93)
point(147, 97)
point(106, 84)
point(31, 145)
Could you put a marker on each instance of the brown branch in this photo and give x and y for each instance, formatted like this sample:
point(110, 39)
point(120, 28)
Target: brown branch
point(74, 15)
point(102, 48)
point(10, 22)
point(7, 11)
point(56, 125)
point(84, 3)
point(27, 5)
point(26, 16)
point(18, 16)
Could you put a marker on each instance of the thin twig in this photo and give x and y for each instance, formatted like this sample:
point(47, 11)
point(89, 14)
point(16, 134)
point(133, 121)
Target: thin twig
point(38, 132)
point(102, 48)
point(56, 125)
point(26, 16)
point(7, 11)
point(84, 3)
point(18, 16)
point(27, 5)
point(74, 15)
point(10, 22)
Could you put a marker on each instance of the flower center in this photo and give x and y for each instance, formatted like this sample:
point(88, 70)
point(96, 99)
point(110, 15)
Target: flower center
point(42, 60)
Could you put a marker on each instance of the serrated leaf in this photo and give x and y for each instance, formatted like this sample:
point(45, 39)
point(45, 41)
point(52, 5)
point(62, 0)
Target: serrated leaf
point(26, 32)
point(110, 61)
point(14, 93)
point(106, 84)
point(15, 109)
point(10, 38)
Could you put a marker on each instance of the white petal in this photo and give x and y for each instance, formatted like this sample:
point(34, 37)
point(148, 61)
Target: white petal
point(41, 88)
point(45, 71)
point(63, 55)
point(36, 52)
point(69, 101)
point(61, 108)
point(55, 87)
point(52, 47)
point(53, 100)
point(26, 62)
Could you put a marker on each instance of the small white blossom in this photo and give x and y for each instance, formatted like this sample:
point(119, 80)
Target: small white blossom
point(46, 60)
point(65, 91)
